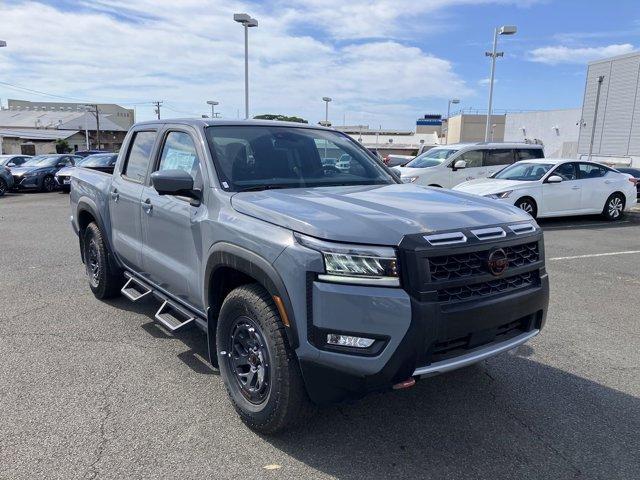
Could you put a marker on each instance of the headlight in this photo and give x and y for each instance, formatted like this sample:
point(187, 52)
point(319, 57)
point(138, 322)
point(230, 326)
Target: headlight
point(408, 179)
point(355, 264)
point(500, 195)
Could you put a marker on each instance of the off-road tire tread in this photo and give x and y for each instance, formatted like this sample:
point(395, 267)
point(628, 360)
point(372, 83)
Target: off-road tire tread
point(110, 281)
point(293, 405)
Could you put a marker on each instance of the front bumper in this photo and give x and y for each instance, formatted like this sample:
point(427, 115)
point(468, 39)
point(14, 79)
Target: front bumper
point(63, 180)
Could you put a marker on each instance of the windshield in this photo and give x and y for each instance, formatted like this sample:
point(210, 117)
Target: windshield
point(526, 172)
point(98, 160)
point(42, 161)
point(431, 158)
point(261, 157)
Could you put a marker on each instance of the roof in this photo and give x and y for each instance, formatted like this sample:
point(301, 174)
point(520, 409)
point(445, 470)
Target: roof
point(493, 144)
point(63, 120)
point(204, 122)
point(37, 133)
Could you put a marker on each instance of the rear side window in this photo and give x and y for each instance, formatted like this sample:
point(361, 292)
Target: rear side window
point(498, 157)
point(529, 153)
point(137, 160)
point(588, 170)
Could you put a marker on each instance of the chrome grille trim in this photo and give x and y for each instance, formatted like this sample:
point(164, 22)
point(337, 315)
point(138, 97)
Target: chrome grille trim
point(522, 228)
point(489, 233)
point(446, 238)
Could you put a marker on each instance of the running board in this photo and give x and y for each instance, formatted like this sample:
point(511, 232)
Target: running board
point(172, 317)
point(134, 290)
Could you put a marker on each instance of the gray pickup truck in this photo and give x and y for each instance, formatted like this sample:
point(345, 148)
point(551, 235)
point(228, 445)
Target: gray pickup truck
point(312, 284)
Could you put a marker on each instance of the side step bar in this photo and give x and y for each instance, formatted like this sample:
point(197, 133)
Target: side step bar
point(172, 317)
point(134, 290)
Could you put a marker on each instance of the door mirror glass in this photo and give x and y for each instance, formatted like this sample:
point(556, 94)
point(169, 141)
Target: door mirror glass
point(554, 179)
point(458, 164)
point(173, 182)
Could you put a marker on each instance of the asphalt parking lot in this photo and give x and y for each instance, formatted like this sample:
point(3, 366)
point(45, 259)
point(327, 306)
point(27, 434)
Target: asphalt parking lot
point(96, 390)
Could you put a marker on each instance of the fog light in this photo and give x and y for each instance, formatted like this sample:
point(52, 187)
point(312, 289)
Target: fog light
point(349, 341)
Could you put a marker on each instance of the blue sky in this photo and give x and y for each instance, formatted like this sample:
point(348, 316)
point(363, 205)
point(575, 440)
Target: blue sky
point(384, 62)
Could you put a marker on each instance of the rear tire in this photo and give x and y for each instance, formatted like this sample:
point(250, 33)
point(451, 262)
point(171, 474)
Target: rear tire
point(3, 187)
point(614, 207)
point(259, 369)
point(104, 281)
point(528, 205)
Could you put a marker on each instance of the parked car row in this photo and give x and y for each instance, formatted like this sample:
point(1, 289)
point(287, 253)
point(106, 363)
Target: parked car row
point(47, 172)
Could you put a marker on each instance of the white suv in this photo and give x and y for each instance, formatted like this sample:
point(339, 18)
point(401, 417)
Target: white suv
point(449, 165)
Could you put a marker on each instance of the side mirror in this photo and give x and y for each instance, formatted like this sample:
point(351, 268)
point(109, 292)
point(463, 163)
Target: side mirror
point(174, 182)
point(60, 165)
point(554, 179)
point(458, 164)
point(11, 164)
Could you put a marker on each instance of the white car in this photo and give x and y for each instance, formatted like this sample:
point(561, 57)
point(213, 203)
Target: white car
point(450, 165)
point(554, 188)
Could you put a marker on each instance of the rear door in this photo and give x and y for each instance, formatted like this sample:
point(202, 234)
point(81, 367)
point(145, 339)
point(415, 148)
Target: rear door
point(124, 198)
point(495, 159)
point(564, 197)
point(597, 185)
point(172, 247)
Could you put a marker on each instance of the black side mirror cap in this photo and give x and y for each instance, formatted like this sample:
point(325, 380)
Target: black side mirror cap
point(174, 182)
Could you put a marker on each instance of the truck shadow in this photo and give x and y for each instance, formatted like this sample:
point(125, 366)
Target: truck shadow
point(509, 418)
point(196, 357)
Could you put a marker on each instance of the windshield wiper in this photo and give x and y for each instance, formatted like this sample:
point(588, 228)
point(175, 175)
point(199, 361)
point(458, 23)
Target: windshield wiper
point(259, 188)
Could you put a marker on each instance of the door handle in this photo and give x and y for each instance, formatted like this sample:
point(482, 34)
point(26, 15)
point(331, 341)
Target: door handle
point(147, 206)
point(607, 182)
point(115, 195)
point(575, 188)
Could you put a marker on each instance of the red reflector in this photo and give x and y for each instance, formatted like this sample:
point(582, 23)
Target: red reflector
point(409, 382)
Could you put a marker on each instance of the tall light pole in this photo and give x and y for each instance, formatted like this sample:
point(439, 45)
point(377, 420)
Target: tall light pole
point(326, 100)
point(213, 104)
point(247, 22)
point(2, 44)
point(504, 30)
point(453, 101)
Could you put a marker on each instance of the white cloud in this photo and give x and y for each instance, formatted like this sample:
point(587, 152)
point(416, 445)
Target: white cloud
point(185, 53)
point(579, 55)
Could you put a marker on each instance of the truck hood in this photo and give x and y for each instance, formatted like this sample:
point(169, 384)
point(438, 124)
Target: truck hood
point(486, 186)
point(372, 214)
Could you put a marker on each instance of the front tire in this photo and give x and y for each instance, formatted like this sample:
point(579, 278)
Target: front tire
point(259, 369)
point(104, 281)
point(528, 205)
point(48, 184)
point(614, 207)
point(3, 187)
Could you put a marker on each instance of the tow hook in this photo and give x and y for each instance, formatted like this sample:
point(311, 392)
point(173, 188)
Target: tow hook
point(409, 382)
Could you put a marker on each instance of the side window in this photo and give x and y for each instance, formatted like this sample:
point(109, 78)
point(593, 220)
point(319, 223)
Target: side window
point(567, 171)
point(498, 157)
point(179, 153)
point(589, 170)
point(472, 157)
point(528, 153)
point(139, 154)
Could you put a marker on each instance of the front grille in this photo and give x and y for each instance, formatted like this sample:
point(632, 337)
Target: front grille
point(491, 287)
point(464, 265)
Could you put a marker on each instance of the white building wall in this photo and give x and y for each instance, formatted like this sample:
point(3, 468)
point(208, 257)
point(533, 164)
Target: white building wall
point(557, 130)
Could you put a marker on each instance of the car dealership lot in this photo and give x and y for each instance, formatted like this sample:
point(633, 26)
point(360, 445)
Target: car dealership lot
point(97, 390)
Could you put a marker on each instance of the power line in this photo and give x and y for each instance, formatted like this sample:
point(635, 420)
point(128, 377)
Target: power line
point(158, 103)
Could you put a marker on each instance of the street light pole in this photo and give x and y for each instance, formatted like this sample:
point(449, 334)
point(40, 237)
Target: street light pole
point(326, 110)
point(2, 44)
point(247, 22)
point(213, 104)
point(504, 30)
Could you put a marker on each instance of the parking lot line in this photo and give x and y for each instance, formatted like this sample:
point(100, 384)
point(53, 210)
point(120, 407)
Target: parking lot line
point(626, 252)
point(582, 225)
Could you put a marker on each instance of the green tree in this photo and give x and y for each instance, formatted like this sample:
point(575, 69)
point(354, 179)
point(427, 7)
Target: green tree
point(62, 146)
point(281, 118)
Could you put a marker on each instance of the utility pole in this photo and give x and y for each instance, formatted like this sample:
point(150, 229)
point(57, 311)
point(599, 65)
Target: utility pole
point(158, 103)
point(93, 108)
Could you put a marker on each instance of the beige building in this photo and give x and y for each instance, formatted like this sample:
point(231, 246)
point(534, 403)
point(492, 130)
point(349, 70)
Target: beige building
point(123, 117)
point(30, 141)
point(464, 128)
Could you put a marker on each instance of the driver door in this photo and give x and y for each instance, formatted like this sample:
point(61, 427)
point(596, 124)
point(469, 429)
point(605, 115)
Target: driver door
point(474, 167)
